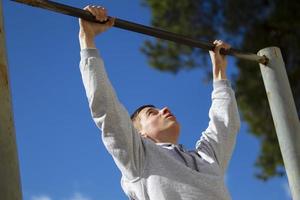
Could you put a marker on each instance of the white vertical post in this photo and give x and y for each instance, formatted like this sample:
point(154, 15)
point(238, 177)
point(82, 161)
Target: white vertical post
point(284, 114)
point(10, 186)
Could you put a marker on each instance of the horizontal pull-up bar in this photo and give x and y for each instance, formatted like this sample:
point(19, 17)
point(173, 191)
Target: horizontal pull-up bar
point(159, 33)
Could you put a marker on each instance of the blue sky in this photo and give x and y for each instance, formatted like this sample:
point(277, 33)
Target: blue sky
point(60, 152)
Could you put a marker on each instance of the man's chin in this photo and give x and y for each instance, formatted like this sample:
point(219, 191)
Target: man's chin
point(173, 126)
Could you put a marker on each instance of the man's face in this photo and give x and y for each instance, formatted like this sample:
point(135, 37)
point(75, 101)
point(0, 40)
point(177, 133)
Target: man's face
point(160, 125)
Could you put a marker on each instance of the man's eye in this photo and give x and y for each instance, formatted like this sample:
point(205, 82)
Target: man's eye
point(151, 112)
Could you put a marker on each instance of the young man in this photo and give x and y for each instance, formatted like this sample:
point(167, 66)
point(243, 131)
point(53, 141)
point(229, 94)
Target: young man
point(144, 146)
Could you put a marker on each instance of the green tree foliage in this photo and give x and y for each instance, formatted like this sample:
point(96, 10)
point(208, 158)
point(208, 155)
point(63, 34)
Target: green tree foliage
point(247, 25)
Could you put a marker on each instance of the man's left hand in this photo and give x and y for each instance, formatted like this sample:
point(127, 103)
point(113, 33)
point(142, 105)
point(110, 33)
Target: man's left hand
point(219, 62)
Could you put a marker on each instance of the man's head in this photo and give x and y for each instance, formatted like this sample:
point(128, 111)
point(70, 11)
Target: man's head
point(159, 125)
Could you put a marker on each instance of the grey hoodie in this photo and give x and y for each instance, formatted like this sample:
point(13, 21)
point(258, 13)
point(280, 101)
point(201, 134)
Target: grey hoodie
point(162, 171)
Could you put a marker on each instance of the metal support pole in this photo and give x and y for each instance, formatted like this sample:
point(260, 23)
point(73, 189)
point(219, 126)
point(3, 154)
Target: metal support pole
point(284, 114)
point(10, 186)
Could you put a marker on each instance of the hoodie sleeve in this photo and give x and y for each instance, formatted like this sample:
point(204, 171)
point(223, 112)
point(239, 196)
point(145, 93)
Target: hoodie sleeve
point(218, 140)
point(118, 134)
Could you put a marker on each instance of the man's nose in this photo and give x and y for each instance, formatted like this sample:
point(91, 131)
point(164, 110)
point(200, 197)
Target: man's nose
point(165, 110)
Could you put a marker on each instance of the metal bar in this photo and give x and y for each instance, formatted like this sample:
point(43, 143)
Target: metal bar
point(10, 185)
point(284, 114)
point(159, 33)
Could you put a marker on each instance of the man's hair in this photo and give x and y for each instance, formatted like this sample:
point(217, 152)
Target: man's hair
point(134, 116)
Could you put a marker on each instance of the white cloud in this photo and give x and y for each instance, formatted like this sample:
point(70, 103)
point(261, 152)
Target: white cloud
point(41, 197)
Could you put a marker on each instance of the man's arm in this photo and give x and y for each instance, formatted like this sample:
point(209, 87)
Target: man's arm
point(218, 140)
point(118, 133)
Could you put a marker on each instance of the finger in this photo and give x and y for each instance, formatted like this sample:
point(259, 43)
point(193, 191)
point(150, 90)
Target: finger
point(222, 44)
point(218, 46)
point(91, 10)
point(86, 7)
point(98, 14)
point(102, 8)
point(102, 13)
point(96, 11)
point(225, 46)
point(111, 21)
point(217, 42)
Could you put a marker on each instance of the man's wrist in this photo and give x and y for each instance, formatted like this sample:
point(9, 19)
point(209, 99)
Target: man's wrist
point(86, 41)
point(220, 75)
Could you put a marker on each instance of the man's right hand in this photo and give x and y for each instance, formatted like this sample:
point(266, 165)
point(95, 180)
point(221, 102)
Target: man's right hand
point(88, 30)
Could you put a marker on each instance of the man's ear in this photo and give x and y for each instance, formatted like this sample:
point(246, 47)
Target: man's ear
point(143, 134)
